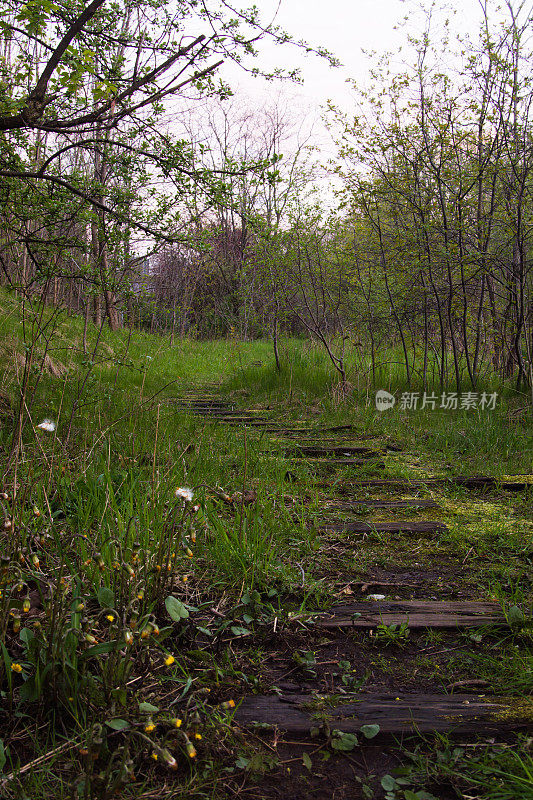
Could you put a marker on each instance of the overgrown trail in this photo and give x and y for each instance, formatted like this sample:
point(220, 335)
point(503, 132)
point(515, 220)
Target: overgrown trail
point(410, 643)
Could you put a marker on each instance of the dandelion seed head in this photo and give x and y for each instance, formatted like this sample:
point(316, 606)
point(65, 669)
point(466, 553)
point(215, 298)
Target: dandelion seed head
point(185, 493)
point(47, 425)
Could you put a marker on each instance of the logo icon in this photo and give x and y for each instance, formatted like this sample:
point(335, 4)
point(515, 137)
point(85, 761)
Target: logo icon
point(384, 400)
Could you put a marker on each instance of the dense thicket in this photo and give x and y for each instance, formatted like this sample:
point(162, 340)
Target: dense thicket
point(206, 222)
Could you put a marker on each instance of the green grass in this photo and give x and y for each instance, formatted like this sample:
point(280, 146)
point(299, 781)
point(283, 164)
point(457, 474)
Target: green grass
point(498, 772)
point(112, 542)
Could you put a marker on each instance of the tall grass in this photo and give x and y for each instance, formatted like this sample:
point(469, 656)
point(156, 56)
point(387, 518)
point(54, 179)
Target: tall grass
point(96, 541)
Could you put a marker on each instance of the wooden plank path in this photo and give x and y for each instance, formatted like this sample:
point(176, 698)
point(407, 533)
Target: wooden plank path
point(515, 484)
point(329, 463)
point(386, 505)
point(401, 526)
point(416, 613)
point(320, 452)
point(394, 713)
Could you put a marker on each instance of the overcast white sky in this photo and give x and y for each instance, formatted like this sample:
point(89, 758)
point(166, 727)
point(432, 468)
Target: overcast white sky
point(346, 28)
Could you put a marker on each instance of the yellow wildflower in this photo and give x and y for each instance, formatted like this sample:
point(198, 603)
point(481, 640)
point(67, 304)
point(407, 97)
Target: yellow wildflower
point(169, 660)
point(16, 667)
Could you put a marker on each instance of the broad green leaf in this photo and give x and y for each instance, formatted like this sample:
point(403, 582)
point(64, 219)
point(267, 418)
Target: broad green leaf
point(106, 597)
point(118, 724)
point(388, 783)
point(3, 757)
point(148, 708)
point(176, 609)
point(26, 635)
point(369, 731)
point(307, 762)
point(238, 631)
point(344, 741)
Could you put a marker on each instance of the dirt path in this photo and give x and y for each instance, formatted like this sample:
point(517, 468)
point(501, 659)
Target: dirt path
point(400, 651)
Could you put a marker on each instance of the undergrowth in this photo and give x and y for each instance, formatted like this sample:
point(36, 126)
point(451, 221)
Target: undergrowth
point(141, 544)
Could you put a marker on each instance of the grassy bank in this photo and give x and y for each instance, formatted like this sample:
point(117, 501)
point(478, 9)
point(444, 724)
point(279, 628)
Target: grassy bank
point(124, 606)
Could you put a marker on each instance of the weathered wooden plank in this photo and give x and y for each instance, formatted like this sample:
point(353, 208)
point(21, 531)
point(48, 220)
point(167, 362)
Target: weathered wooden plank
point(256, 422)
point(401, 526)
point(296, 429)
point(362, 461)
point(416, 613)
point(319, 452)
point(394, 713)
point(467, 481)
point(387, 505)
point(330, 464)
point(208, 407)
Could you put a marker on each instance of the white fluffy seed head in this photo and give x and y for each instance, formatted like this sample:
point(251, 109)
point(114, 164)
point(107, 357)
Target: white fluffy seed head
point(185, 493)
point(47, 425)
